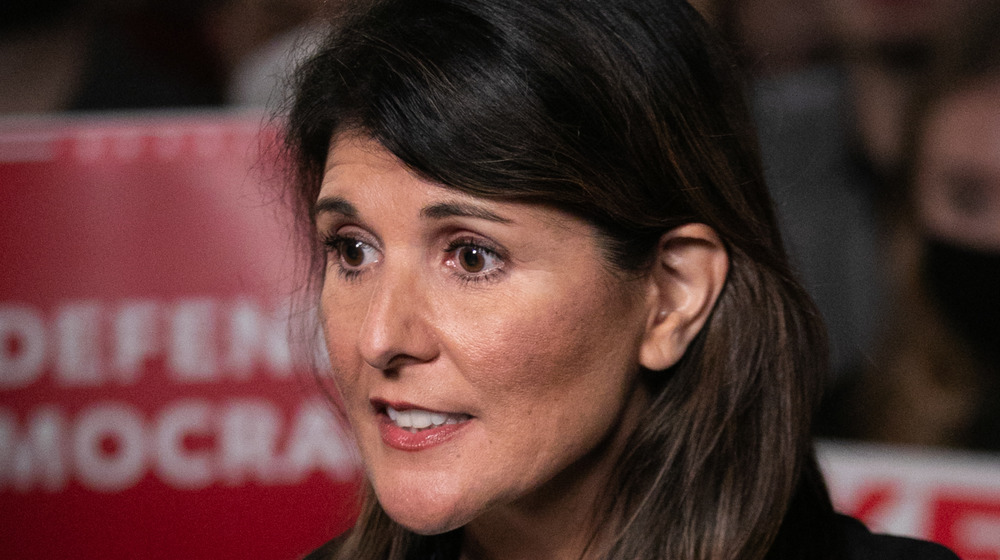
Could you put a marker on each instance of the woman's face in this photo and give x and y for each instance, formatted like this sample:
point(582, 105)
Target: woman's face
point(958, 182)
point(486, 357)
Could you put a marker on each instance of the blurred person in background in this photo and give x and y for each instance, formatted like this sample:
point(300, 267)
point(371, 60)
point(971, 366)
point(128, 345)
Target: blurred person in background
point(41, 53)
point(99, 55)
point(936, 377)
point(92, 55)
point(284, 33)
point(774, 37)
point(886, 48)
point(833, 80)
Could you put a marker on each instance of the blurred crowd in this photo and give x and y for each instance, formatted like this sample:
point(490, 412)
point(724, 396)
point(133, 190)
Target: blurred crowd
point(99, 55)
point(880, 129)
point(879, 124)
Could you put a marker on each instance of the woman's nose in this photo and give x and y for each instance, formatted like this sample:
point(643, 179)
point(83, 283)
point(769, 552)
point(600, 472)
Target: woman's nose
point(396, 329)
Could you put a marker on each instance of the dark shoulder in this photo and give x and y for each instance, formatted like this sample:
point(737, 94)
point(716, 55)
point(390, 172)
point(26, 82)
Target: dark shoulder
point(862, 544)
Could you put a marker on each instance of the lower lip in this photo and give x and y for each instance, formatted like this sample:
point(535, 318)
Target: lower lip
point(405, 440)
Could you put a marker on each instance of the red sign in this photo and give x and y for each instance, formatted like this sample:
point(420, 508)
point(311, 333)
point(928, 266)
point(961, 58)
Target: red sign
point(948, 497)
point(154, 402)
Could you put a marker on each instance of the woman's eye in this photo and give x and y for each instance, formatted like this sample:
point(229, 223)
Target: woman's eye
point(352, 254)
point(474, 260)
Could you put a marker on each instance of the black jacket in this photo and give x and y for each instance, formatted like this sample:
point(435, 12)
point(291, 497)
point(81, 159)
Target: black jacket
point(857, 543)
point(860, 544)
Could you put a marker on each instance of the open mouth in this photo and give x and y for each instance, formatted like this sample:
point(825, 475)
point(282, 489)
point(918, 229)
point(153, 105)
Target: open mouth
point(406, 427)
point(415, 419)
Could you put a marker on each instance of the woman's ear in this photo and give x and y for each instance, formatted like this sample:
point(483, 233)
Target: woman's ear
point(686, 279)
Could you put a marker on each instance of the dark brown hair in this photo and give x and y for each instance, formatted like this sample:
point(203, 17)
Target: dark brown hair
point(627, 114)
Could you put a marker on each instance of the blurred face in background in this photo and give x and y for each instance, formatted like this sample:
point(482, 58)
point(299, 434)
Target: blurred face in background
point(957, 202)
point(958, 184)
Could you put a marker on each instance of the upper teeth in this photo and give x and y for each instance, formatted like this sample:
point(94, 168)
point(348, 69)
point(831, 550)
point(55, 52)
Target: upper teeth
point(420, 419)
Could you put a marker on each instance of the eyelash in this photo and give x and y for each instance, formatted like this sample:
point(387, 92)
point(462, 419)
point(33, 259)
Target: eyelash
point(333, 247)
point(472, 277)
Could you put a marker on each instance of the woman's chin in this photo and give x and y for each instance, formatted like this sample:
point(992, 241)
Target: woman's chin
point(424, 522)
point(428, 529)
point(430, 516)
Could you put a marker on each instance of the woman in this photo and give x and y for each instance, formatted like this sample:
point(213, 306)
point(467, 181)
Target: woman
point(560, 319)
point(936, 375)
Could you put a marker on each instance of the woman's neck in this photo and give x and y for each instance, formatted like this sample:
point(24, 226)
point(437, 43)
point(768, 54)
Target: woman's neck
point(559, 532)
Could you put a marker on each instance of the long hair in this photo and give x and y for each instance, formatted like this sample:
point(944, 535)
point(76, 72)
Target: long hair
point(627, 114)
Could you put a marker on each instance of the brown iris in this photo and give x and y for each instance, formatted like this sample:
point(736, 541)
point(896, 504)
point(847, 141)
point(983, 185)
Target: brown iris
point(471, 259)
point(351, 252)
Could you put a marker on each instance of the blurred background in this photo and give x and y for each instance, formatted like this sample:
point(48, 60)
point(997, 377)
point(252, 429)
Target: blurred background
point(153, 403)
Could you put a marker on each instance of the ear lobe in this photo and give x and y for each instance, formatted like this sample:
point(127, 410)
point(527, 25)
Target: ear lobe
point(687, 277)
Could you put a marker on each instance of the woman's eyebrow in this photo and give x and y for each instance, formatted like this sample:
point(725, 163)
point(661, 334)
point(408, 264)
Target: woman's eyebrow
point(335, 204)
point(443, 210)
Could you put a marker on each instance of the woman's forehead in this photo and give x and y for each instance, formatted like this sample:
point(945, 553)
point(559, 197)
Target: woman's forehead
point(354, 147)
point(360, 171)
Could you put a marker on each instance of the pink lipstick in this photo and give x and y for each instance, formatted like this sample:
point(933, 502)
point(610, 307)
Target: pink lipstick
point(410, 428)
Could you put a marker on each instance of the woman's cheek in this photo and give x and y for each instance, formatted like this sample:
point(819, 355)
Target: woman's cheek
point(517, 352)
point(345, 362)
